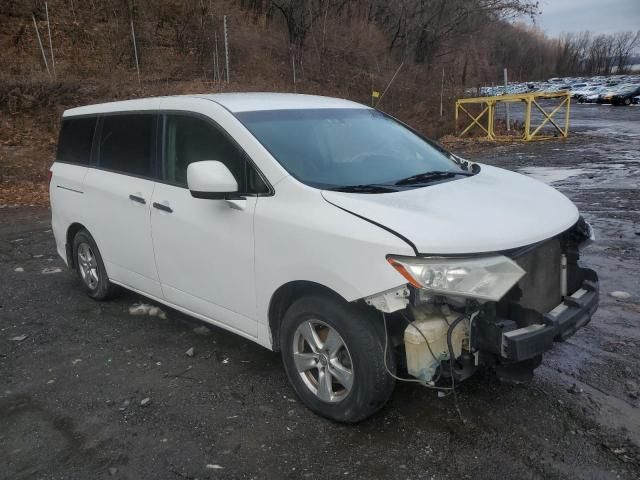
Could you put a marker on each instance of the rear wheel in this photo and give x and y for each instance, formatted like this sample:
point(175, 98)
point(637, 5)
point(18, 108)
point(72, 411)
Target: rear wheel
point(333, 354)
point(627, 101)
point(90, 267)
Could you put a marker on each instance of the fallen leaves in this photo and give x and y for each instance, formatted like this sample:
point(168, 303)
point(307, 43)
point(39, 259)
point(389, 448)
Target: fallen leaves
point(24, 164)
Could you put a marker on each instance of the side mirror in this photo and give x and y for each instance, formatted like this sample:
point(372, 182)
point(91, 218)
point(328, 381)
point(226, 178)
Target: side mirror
point(211, 179)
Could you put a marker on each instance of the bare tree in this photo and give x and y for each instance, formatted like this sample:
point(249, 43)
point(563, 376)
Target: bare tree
point(428, 29)
point(624, 43)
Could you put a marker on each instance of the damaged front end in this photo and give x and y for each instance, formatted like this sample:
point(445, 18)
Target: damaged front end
point(504, 311)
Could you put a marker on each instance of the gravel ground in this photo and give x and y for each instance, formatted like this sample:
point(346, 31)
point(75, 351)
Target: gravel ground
point(73, 392)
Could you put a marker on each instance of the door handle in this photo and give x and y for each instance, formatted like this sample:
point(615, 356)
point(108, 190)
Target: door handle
point(138, 199)
point(164, 208)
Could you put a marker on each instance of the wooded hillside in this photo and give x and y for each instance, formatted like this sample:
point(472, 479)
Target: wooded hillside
point(344, 48)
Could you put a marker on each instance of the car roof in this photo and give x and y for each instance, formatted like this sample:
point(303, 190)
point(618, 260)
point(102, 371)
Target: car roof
point(234, 102)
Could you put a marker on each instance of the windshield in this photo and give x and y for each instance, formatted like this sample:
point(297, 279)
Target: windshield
point(333, 148)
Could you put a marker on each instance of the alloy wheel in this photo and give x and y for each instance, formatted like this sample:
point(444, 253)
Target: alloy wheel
point(322, 360)
point(88, 266)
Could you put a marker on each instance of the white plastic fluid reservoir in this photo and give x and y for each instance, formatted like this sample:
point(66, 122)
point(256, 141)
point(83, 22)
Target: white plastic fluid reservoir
point(431, 325)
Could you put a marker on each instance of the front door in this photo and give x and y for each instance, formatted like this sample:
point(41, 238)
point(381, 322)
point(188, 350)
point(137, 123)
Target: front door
point(204, 248)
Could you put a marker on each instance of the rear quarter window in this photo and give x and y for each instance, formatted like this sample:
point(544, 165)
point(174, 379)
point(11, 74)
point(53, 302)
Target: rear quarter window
point(74, 143)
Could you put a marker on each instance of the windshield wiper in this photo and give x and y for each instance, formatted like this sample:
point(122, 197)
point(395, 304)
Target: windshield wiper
point(465, 164)
point(371, 188)
point(430, 176)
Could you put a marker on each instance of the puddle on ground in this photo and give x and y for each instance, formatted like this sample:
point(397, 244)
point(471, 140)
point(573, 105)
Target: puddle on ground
point(614, 176)
point(552, 174)
point(617, 131)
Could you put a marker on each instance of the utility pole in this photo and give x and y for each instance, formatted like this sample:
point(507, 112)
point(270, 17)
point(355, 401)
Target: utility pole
point(441, 93)
point(44, 57)
point(506, 104)
point(293, 65)
point(135, 49)
point(226, 48)
point(53, 62)
point(216, 68)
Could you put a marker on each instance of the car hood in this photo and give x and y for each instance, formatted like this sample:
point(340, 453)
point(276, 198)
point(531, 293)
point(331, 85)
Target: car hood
point(492, 211)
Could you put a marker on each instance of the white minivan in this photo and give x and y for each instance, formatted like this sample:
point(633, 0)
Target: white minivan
point(325, 230)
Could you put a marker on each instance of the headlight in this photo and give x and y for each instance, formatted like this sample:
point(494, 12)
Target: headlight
point(486, 278)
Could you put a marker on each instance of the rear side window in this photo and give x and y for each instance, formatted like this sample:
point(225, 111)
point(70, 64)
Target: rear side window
point(126, 144)
point(76, 136)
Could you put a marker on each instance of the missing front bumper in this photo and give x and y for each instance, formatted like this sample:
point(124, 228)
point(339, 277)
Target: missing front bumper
point(516, 343)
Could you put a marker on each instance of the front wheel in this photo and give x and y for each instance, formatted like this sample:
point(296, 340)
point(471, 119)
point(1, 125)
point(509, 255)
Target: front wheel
point(333, 353)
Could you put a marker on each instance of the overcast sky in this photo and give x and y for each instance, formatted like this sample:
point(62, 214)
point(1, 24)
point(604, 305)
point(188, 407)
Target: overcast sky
point(598, 16)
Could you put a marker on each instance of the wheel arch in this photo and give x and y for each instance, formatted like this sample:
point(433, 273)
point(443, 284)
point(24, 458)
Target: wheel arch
point(72, 231)
point(284, 296)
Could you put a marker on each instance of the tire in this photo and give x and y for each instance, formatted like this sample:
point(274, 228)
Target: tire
point(90, 267)
point(627, 101)
point(347, 339)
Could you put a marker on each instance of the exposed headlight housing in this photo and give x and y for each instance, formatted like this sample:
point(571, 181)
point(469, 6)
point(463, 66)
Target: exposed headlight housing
point(483, 278)
point(586, 233)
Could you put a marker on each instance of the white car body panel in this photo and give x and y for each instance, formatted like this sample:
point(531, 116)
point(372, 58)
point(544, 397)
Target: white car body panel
point(300, 237)
point(121, 227)
point(223, 261)
point(204, 254)
point(492, 211)
point(66, 197)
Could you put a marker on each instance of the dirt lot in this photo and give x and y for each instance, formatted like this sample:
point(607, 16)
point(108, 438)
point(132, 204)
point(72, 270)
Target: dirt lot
point(71, 391)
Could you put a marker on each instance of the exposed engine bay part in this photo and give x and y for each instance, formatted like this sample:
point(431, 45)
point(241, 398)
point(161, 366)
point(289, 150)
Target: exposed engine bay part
point(390, 301)
point(425, 339)
point(442, 339)
point(540, 288)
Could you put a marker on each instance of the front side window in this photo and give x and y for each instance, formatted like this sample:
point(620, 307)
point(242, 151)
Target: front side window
point(189, 139)
point(334, 148)
point(126, 144)
point(76, 136)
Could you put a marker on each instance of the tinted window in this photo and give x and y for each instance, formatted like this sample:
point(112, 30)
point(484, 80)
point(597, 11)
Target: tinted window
point(74, 144)
point(190, 139)
point(333, 147)
point(126, 144)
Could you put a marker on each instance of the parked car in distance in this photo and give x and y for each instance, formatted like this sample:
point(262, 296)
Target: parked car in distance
point(324, 230)
point(576, 87)
point(584, 91)
point(557, 87)
point(593, 96)
point(625, 96)
point(607, 95)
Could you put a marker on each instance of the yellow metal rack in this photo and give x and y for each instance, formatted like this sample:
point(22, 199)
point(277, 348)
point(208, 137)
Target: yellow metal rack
point(485, 120)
